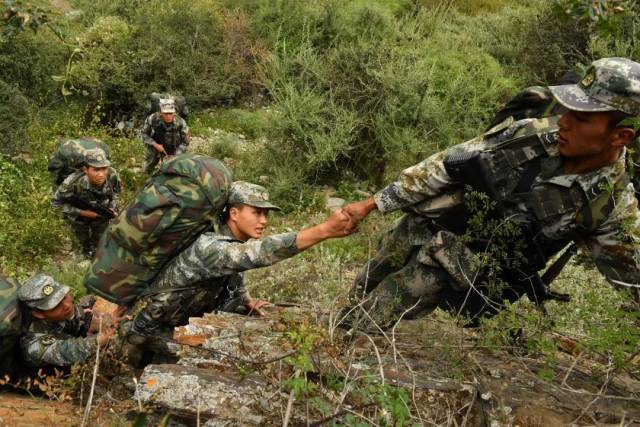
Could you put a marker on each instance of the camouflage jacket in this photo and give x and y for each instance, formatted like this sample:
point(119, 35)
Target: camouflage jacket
point(156, 131)
point(427, 190)
point(60, 344)
point(78, 184)
point(216, 259)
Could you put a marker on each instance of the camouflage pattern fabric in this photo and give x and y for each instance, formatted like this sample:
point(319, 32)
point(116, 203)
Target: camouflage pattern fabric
point(153, 103)
point(533, 102)
point(405, 271)
point(10, 323)
point(174, 137)
point(213, 268)
point(87, 231)
point(609, 84)
point(178, 203)
point(69, 157)
point(59, 344)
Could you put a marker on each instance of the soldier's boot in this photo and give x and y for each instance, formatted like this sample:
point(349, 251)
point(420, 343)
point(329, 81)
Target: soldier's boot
point(130, 344)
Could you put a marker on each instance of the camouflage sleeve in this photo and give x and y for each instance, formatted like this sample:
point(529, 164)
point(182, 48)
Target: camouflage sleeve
point(210, 256)
point(615, 246)
point(42, 349)
point(65, 190)
point(147, 131)
point(184, 133)
point(116, 186)
point(420, 182)
point(243, 292)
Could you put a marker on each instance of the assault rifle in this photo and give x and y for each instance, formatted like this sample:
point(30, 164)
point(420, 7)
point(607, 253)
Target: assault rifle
point(471, 170)
point(79, 203)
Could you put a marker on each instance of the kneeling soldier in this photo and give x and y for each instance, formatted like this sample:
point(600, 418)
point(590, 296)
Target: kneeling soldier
point(208, 275)
point(89, 198)
point(55, 329)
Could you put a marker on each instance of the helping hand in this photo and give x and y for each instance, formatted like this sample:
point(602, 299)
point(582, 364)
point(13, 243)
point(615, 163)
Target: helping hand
point(357, 211)
point(254, 305)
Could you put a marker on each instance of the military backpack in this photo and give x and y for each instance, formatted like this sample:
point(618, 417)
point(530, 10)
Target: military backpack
point(180, 201)
point(70, 157)
point(10, 324)
point(153, 104)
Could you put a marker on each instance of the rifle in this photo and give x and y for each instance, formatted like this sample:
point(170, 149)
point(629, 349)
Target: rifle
point(79, 203)
point(470, 169)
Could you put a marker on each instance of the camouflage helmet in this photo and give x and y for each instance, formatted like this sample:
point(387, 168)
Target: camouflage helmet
point(250, 194)
point(167, 105)
point(609, 84)
point(96, 158)
point(42, 292)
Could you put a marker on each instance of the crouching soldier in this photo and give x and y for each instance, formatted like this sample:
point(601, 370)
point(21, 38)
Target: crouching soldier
point(164, 134)
point(208, 275)
point(55, 330)
point(89, 199)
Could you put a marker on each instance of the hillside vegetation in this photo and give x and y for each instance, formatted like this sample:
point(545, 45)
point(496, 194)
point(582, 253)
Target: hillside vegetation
point(310, 99)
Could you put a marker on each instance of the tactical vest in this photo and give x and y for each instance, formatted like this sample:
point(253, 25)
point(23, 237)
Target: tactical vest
point(506, 171)
point(167, 135)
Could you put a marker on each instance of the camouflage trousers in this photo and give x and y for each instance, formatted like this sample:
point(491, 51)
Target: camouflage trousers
point(412, 274)
point(152, 157)
point(165, 310)
point(88, 234)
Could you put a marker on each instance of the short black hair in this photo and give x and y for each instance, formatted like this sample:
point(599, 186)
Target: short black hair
point(224, 215)
point(617, 117)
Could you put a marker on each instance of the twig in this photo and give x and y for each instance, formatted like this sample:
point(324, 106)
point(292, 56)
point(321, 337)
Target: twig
point(339, 414)
point(87, 409)
point(287, 414)
point(571, 368)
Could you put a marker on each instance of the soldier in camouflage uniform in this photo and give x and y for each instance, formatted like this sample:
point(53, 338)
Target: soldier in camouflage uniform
point(69, 157)
point(99, 184)
point(164, 134)
point(208, 275)
point(561, 178)
point(55, 329)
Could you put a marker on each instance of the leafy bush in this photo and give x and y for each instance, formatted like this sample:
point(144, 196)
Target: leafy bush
point(15, 113)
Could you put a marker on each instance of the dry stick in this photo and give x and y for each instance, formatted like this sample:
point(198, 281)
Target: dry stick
point(375, 348)
point(87, 409)
point(474, 396)
point(570, 370)
point(287, 414)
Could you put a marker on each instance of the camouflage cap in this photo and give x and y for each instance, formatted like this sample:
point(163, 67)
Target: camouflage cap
point(250, 194)
point(42, 292)
point(167, 105)
point(609, 84)
point(96, 158)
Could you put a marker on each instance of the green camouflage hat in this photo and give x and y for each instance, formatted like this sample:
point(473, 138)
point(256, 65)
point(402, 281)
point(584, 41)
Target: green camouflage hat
point(250, 194)
point(96, 158)
point(609, 84)
point(42, 292)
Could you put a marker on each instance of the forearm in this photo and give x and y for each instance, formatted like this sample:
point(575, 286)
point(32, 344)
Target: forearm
point(41, 350)
point(313, 235)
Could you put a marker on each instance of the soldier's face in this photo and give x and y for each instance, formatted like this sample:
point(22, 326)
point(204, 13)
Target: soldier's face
point(250, 222)
point(584, 135)
point(168, 117)
point(97, 176)
point(61, 312)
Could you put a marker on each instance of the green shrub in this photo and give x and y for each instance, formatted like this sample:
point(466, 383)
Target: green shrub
point(15, 113)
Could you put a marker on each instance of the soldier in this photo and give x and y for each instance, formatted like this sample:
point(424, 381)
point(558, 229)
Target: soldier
point(164, 134)
point(55, 329)
point(208, 275)
point(551, 181)
point(89, 198)
point(69, 157)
